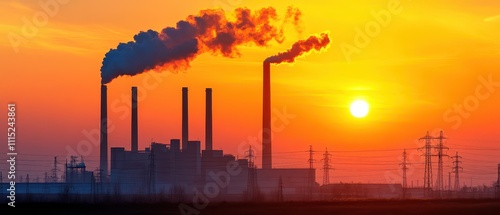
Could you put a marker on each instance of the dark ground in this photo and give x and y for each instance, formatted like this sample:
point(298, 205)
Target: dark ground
point(399, 207)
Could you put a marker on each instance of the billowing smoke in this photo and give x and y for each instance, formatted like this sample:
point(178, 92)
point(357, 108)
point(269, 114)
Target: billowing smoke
point(295, 15)
point(209, 31)
point(301, 47)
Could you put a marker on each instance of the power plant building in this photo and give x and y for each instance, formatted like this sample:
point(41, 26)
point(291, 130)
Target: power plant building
point(182, 164)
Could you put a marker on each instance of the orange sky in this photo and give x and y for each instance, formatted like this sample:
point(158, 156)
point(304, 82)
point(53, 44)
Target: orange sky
point(414, 68)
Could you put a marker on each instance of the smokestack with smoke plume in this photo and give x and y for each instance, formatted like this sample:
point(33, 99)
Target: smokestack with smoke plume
point(266, 117)
point(299, 48)
point(209, 31)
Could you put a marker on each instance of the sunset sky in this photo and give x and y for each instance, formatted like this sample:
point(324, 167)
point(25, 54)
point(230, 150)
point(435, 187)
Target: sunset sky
point(429, 66)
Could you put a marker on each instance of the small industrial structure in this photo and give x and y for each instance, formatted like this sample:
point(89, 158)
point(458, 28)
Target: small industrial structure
point(76, 172)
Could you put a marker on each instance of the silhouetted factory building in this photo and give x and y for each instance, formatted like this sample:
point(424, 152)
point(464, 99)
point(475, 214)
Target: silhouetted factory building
point(162, 167)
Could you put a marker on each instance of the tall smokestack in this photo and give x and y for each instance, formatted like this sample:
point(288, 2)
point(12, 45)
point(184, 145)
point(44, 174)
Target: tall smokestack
point(185, 126)
point(208, 120)
point(135, 132)
point(266, 118)
point(298, 48)
point(104, 132)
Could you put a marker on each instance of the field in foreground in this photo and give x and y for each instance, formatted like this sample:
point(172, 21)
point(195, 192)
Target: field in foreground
point(427, 207)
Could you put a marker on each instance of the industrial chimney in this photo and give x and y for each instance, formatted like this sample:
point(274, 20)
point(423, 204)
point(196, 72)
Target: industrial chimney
point(185, 126)
point(135, 132)
point(104, 132)
point(208, 120)
point(266, 118)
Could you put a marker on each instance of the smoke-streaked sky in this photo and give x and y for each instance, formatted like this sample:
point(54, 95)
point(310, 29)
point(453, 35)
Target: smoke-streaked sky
point(422, 66)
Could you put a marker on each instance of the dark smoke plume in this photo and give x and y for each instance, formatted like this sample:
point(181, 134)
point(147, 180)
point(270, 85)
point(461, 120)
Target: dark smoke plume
point(209, 31)
point(301, 47)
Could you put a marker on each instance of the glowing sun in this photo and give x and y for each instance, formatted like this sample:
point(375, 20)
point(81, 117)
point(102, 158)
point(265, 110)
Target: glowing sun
point(359, 108)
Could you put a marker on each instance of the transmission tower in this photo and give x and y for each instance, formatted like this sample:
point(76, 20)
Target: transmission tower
point(54, 171)
point(404, 168)
point(428, 164)
point(456, 170)
point(440, 147)
point(326, 167)
point(251, 157)
point(311, 172)
point(311, 160)
point(252, 176)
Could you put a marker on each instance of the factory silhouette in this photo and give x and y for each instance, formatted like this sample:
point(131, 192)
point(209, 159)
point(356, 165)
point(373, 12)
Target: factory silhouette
point(182, 164)
point(182, 169)
point(185, 166)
